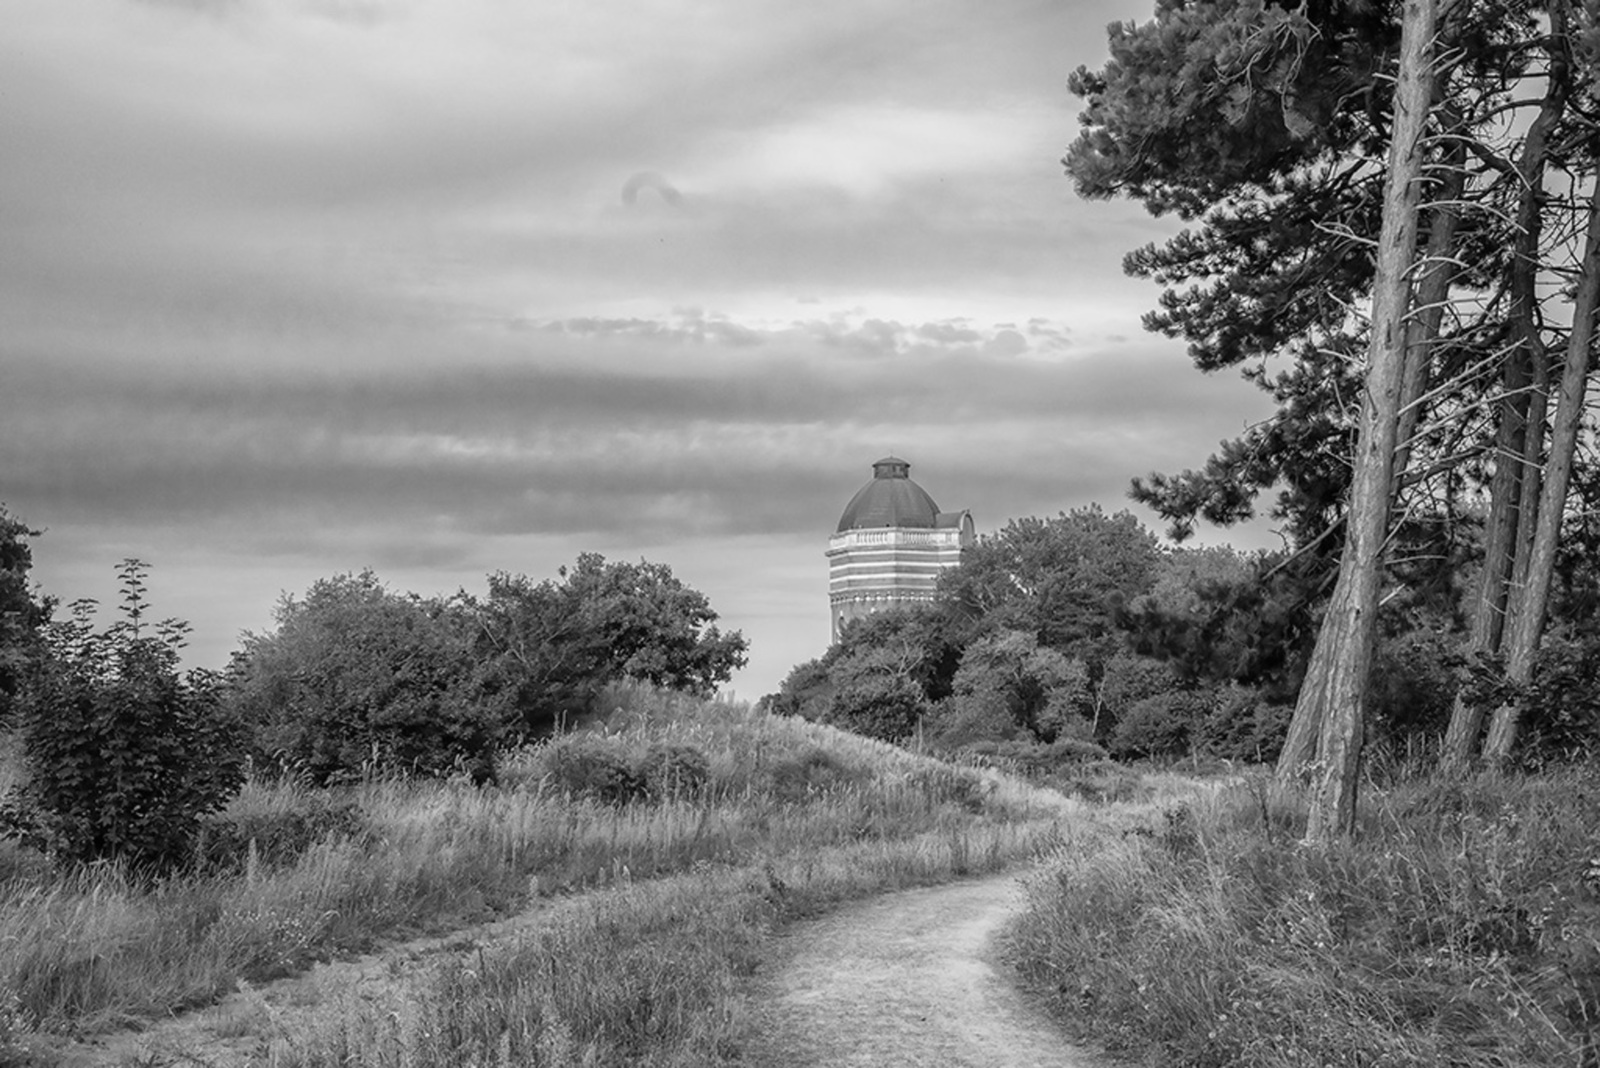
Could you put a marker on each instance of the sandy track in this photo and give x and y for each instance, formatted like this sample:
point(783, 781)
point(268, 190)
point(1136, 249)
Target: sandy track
point(905, 979)
point(908, 979)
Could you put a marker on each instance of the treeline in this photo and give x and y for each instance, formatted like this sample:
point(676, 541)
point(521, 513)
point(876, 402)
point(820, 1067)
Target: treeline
point(124, 753)
point(357, 676)
point(1080, 635)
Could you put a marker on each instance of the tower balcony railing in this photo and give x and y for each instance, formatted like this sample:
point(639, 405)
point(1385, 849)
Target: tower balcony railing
point(855, 539)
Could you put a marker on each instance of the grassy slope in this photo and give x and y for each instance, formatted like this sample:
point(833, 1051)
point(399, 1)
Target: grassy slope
point(1462, 928)
point(677, 895)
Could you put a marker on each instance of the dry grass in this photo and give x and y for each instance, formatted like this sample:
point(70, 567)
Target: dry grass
point(641, 974)
point(790, 816)
point(1463, 928)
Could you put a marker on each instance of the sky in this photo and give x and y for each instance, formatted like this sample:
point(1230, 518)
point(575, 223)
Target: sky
point(292, 288)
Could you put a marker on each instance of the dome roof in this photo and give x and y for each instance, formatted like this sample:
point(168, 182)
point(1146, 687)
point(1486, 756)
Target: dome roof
point(891, 499)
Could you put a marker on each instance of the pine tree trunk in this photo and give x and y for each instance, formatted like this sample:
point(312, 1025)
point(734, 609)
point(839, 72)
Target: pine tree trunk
point(1505, 495)
point(1492, 596)
point(1532, 482)
point(1433, 289)
point(1299, 750)
point(1422, 329)
point(1334, 693)
point(1527, 625)
point(1504, 531)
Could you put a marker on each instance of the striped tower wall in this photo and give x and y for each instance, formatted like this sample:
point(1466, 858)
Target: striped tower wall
point(873, 569)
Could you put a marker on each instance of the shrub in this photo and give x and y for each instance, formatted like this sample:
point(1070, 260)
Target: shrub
point(878, 705)
point(1161, 725)
point(1035, 760)
point(810, 771)
point(1040, 689)
point(962, 786)
point(22, 619)
point(1241, 726)
point(591, 766)
point(275, 838)
point(970, 719)
point(1073, 750)
point(1098, 780)
point(123, 755)
point(19, 1045)
point(1413, 686)
point(357, 678)
point(1127, 680)
point(667, 770)
point(548, 647)
point(805, 692)
point(1562, 720)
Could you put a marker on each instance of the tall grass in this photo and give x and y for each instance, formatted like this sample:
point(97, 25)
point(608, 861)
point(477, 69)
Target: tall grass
point(780, 798)
point(1461, 928)
point(641, 974)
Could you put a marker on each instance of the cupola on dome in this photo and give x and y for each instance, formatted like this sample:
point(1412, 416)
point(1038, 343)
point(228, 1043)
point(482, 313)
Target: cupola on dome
point(891, 499)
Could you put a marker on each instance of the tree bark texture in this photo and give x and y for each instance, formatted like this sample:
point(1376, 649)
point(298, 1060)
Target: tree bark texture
point(1433, 289)
point(1527, 624)
point(1421, 330)
point(1334, 693)
point(1511, 500)
point(1529, 485)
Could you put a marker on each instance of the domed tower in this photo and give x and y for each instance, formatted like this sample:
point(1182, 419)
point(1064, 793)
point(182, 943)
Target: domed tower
point(891, 544)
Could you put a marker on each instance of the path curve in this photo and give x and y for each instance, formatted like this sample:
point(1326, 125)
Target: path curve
point(910, 978)
point(907, 979)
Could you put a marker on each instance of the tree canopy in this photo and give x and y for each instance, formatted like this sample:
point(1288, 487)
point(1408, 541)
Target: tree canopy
point(1052, 629)
point(1061, 579)
point(1276, 130)
point(357, 676)
point(554, 643)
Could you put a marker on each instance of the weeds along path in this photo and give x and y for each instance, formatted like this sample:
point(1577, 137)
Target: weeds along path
point(906, 979)
point(238, 1030)
point(267, 1023)
point(688, 962)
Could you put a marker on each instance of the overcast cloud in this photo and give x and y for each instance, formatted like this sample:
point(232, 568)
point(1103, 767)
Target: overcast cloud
point(293, 288)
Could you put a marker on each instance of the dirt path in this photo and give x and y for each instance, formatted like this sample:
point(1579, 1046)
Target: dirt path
point(908, 979)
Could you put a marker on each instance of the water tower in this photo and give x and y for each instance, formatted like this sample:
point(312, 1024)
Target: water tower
point(891, 544)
